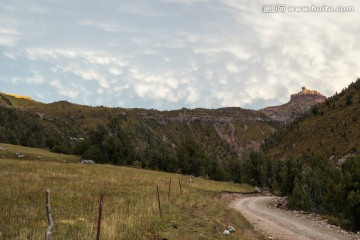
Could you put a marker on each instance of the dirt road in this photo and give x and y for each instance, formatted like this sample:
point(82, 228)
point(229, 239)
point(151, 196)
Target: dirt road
point(284, 225)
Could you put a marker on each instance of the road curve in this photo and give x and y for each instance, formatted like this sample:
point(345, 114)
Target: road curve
point(283, 225)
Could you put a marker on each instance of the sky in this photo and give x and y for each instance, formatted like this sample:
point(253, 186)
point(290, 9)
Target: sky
point(170, 54)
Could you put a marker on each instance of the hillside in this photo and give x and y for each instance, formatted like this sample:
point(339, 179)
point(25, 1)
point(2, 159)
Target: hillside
point(130, 207)
point(299, 104)
point(224, 133)
point(205, 142)
point(15, 100)
point(331, 129)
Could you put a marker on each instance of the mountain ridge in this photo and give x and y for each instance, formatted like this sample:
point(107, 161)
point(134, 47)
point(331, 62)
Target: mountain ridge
point(224, 133)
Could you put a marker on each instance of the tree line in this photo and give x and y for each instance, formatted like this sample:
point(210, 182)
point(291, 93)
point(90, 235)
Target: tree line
point(20, 128)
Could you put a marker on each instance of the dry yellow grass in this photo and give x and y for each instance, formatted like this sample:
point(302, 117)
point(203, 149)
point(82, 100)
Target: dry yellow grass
point(130, 209)
point(20, 96)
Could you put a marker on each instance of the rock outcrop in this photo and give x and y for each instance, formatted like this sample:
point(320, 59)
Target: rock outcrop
point(299, 104)
point(317, 96)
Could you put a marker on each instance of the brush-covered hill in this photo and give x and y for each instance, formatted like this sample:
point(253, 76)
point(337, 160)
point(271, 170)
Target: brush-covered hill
point(222, 134)
point(331, 129)
point(146, 137)
point(299, 104)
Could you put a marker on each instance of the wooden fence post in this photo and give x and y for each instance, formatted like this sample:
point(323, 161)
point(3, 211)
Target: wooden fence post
point(49, 217)
point(180, 185)
point(169, 190)
point(99, 218)
point(158, 198)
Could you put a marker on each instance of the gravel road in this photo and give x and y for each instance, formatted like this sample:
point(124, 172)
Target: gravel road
point(284, 225)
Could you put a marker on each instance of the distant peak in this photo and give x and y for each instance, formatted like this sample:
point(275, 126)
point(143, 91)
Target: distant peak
point(306, 91)
point(299, 103)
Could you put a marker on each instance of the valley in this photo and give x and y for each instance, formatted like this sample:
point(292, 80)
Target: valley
point(306, 149)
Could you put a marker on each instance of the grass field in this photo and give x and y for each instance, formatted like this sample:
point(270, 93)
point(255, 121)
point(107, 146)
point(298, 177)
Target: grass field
point(130, 209)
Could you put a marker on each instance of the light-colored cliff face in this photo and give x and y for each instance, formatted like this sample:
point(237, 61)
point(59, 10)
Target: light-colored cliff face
point(299, 104)
point(308, 93)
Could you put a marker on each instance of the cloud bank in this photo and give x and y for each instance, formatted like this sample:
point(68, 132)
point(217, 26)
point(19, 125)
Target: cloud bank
point(169, 54)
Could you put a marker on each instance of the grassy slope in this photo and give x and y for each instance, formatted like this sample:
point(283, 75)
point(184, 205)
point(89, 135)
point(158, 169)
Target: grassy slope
point(17, 100)
point(20, 96)
point(333, 131)
point(130, 207)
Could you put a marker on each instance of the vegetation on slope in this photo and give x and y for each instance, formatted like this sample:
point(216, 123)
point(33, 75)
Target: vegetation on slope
point(224, 133)
point(318, 185)
point(200, 142)
point(20, 96)
point(15, 100)
point(18, 127)
point(311, 159)
point(311, 184)
point(130, 209)
point(330, 129)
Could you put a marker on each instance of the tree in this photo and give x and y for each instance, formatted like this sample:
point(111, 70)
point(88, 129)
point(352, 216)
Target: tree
point(351, 188)
point(300, 198)
point(94, 153)
point(254, 168)
point(192, 158)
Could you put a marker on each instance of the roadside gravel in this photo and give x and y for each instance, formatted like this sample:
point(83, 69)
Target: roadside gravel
point(284, 225)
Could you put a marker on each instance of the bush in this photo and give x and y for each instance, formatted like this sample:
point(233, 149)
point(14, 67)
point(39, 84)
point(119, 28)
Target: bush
point(300, 198)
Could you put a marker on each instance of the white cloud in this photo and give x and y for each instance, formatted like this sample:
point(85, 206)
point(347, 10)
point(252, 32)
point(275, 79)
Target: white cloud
point(185, 1)
point(121, 87)
point(8, 36)
point(115, 71)
point(105, 26)
point(35, 79)
point(66, 89)
point(87, 74)
point(192, 95)
point(55, 83)
point(232, 68)
point(9, 55)
point(7, 41)
point(143, 9)
point(91, 57)
point(7, 31)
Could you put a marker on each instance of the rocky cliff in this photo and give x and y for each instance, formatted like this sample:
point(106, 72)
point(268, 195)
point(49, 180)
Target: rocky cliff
point(299, 103)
